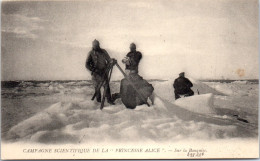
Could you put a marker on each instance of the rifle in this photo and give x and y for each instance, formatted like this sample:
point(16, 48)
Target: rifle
point(132, 84)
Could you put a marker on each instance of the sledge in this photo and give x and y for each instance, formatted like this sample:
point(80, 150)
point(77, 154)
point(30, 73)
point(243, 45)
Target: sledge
point(204, 104)
point(197, 103)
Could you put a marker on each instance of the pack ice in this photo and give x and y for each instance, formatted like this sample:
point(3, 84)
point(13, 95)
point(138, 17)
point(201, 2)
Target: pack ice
point(77, 119)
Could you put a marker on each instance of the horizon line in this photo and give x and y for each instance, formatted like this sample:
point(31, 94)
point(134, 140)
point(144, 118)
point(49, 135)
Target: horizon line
point(45, 80)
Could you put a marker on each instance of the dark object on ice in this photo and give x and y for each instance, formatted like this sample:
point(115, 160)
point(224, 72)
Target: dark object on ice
point(98, 62)
point(182, 86)
point(134, 90)
point(128, 94)
point(243, 120)
point(115, 96)
point(240, 119)
point(132, 59)
point(9, 84)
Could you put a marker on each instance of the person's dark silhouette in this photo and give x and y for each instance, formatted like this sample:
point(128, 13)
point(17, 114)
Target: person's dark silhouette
point(97, 62)
point(182, 86)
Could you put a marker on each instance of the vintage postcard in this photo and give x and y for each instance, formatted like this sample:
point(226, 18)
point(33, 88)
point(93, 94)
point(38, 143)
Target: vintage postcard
point(120, 79)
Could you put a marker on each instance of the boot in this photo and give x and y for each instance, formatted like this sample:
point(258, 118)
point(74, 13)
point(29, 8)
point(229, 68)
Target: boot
point(98, 97)
point(99, 100)
point(110, 102)
point(115, 96)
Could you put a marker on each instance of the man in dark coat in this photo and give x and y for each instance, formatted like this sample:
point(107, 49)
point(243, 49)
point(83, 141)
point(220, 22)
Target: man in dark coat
point(132, 60)
point(97, 62)
point(182, 86)
point(129, 97)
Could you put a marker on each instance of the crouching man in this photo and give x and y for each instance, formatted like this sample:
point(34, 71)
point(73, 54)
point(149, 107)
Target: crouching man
point(182, 86)
point(129, 96)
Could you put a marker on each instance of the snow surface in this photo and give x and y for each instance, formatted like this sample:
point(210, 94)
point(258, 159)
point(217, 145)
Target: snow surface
point(71, 117)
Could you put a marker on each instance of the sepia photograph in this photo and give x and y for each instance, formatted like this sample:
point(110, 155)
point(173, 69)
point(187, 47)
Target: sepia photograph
point(120, 79)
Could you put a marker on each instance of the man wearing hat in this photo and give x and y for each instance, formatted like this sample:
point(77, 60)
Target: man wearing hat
point(132, 60)
point(129, 96)
point(182, 86)
point(97, 62)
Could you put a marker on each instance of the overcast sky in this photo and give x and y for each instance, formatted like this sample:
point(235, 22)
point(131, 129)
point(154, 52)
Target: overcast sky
point(208, 39)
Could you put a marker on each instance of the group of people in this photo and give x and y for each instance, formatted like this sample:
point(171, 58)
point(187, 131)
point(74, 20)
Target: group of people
point(134, 90)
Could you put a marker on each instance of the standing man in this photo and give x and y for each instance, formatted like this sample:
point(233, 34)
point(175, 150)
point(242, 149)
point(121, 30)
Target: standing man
point(182, 86)
point(97, 62)
point(132, 60)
